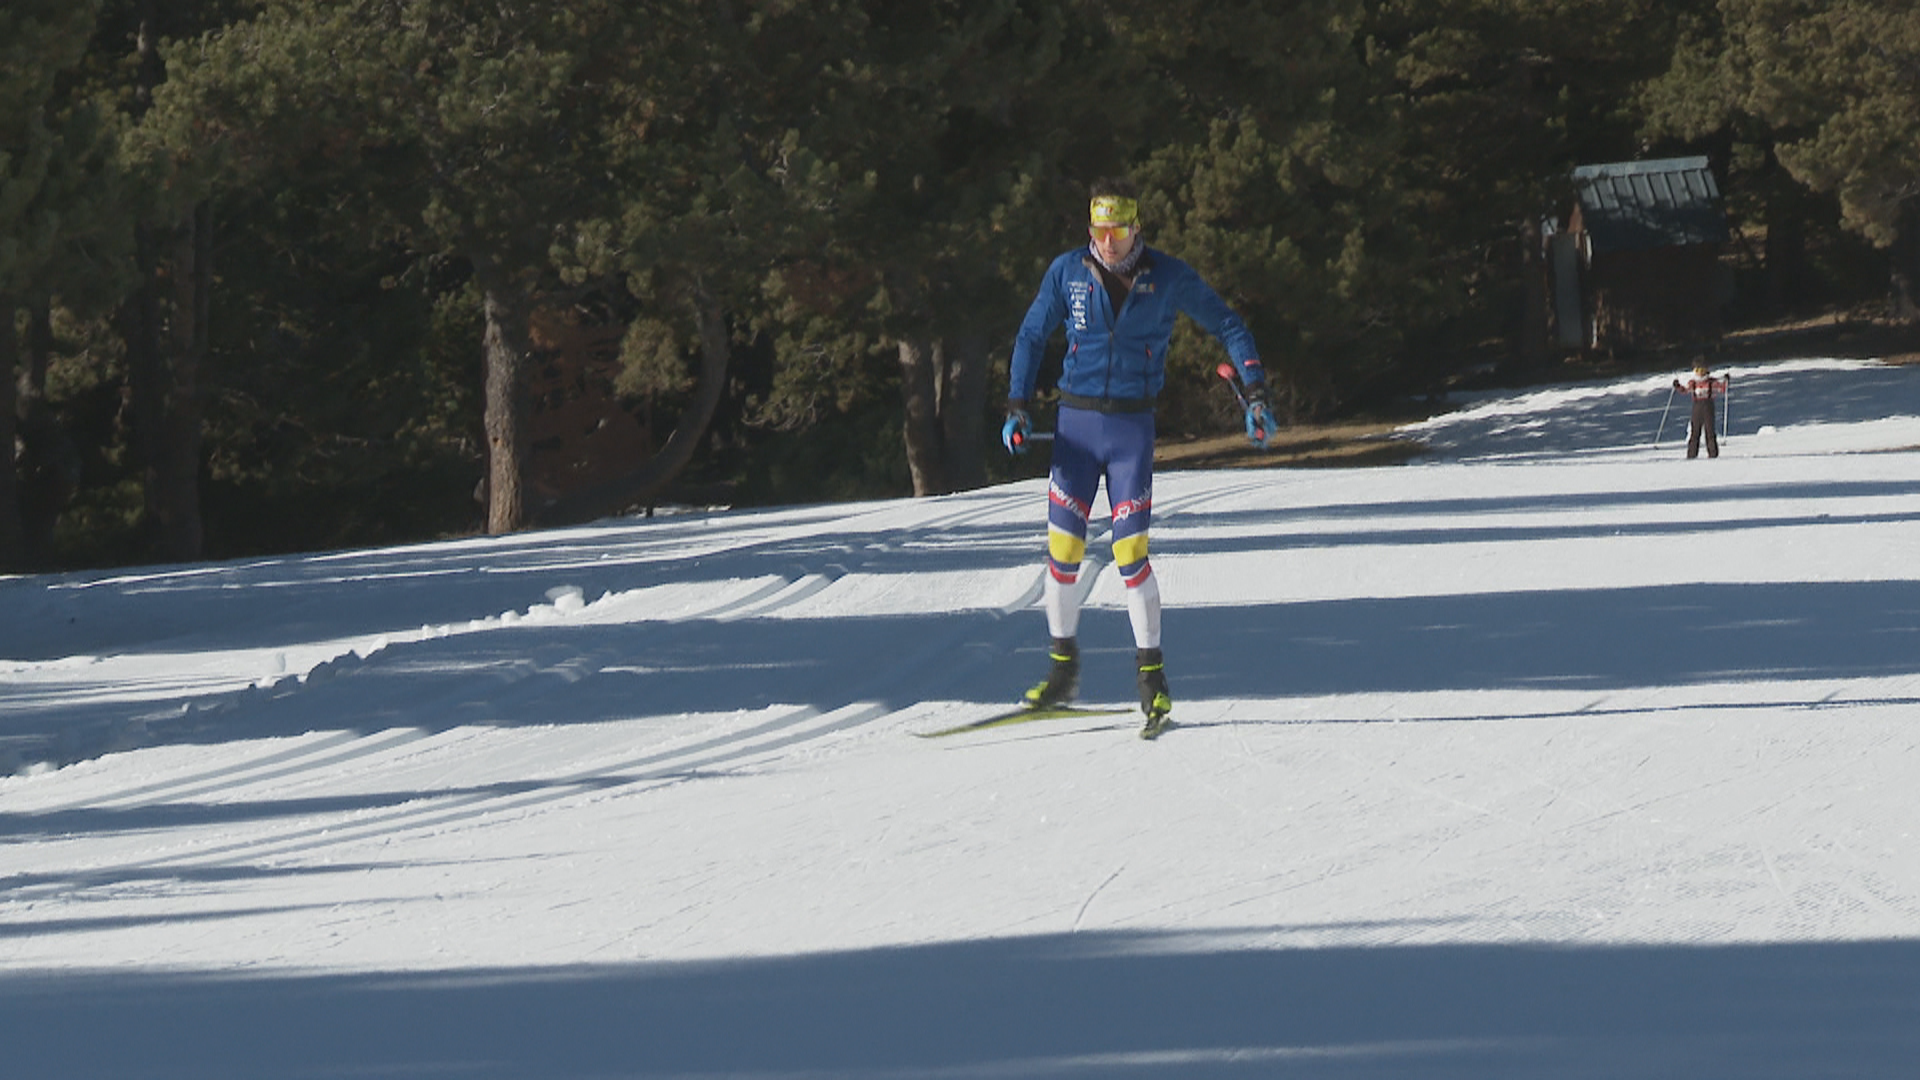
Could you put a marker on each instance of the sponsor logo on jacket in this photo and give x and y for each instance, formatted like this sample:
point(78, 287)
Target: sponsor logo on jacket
point(1079, 297)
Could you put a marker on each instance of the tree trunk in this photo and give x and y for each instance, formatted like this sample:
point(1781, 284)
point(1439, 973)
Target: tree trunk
point(653, 475)
point(1785, 249)
point(507, 345)
point(151, 70)
point(1531, 349)
point(1785, 253)
point(165, 346)
point(50, 466)
point(13, 555)
point(174, 477)
point(1904, 278)
point(920, 380)
point(963, 405)
point(163, 392)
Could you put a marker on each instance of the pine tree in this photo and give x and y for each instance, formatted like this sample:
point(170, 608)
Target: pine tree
point(1495, 102)
point(459, 133)
point(41, 207)
point(1270, 177)
point(1825, 90)
point(951, 162)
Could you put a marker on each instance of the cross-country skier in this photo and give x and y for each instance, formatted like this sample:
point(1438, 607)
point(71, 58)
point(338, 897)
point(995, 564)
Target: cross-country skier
point(1702, 388)
point(1117, 298)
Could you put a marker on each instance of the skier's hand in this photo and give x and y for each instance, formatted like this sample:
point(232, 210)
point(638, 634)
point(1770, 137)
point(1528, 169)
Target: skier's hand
point(1260, 425)
point(1018, 430)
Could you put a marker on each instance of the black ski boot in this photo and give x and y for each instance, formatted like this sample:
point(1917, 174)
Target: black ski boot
point(1155, 701)
point(1063, 679)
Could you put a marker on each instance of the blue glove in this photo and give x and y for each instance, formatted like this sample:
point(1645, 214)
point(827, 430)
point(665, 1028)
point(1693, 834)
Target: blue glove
point(1260, 423)
point(1017, 432)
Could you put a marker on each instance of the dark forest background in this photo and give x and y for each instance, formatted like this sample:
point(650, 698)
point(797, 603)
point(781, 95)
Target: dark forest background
point(288, 275)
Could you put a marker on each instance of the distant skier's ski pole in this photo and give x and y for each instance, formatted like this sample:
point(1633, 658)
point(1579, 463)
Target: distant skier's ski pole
point(1726, 410)
point(1663, 418)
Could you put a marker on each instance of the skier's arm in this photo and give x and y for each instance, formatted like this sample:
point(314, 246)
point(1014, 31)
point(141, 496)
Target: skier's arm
point(1205, 307)
point(1048, 310)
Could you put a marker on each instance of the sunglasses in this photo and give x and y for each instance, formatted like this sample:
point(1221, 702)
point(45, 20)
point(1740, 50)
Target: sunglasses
point(1111, 232)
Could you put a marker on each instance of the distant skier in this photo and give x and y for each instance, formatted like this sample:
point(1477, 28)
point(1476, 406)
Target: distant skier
point(1702, 388)
point(1118, 299)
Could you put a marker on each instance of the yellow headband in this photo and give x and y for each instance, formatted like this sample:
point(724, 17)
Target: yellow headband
point(1113, 210)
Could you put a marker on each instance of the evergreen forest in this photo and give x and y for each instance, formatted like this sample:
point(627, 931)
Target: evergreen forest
point(292, 275)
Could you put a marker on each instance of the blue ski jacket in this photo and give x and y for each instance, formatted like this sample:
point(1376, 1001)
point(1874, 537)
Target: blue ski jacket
point(1122, 356)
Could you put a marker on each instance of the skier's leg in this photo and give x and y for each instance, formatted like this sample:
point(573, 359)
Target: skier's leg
point(1059, 595)
point(1713, 435)
point(1130, 489)
point(1070, 490)
point(1074, 479)
point(1693, 432)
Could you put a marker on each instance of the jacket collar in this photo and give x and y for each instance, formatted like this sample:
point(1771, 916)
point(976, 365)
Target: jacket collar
point(1136, 263)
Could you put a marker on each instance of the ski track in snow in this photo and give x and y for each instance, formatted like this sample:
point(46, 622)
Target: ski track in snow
point(1549, 755)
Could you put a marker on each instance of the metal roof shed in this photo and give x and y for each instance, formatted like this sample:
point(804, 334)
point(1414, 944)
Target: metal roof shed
point(1636, 205)
point(1638, 264)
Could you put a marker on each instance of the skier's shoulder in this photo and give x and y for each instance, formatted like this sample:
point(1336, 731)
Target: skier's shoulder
point(1171, 271)
point(1163, 263)
point(1067, 261)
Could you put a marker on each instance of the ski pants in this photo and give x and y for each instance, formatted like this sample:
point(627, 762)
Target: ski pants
point(1702, 426)
point(1089, 446)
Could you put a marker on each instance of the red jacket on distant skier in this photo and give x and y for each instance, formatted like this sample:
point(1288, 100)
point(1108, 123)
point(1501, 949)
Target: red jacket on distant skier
point(1702, 388)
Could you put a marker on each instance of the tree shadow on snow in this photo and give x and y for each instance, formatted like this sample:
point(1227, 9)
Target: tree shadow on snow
point(1597, 639)
point(288, 602)
point(1478, 519)
point(779, 669)
point(1085, 1005)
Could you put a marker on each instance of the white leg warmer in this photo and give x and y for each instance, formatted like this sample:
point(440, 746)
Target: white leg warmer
point(1062, 602)
point(1143, 610)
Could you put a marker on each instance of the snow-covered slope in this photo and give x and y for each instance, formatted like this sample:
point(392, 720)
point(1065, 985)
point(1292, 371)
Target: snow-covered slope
point(1551, 755)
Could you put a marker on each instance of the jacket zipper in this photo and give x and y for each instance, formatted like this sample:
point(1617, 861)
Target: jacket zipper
point(1113, 331)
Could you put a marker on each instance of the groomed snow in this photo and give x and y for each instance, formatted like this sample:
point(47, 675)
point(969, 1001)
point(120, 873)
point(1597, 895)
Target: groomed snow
point(1550, 755)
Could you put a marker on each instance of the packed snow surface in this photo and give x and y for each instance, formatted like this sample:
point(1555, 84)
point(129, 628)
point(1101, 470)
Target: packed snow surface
point(1553, 754)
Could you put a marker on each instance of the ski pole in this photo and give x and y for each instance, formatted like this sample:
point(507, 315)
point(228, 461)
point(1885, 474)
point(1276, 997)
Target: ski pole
point(1726, 408)
point(1226, 371)
point(1232, 378)
point(1663, 417)
point(1020, 440)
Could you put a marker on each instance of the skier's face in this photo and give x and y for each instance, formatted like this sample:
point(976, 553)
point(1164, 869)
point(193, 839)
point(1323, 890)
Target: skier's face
point(1113, 241)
